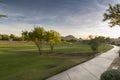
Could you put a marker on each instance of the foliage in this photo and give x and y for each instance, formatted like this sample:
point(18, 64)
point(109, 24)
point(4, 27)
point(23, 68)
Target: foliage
point(0, 37)
point(39, 36)
point(5, 37)
point(86, 41)
point(52, 37)
point(15, 38)
point(113, 15)
point(25, 35)
point(36, 35)
point(96, 42)
point(11, 37)
point(111, 75)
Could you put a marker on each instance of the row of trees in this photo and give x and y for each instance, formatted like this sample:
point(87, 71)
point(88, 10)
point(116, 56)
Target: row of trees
point(39, 36)
point(11, 37)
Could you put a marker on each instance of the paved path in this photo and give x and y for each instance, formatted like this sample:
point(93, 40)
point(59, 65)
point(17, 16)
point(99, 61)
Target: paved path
point(90, 70)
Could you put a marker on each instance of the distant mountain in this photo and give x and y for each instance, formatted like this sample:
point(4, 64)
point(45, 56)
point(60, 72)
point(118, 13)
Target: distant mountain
point(69, 37)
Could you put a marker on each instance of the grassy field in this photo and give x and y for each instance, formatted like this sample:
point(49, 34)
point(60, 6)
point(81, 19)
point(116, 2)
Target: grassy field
point(20, 61)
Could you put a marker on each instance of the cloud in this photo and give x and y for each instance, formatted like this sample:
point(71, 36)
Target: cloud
point(76, 17)
point(14, 28)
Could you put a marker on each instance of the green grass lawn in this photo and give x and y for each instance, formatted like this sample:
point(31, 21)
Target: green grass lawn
point(22, 61)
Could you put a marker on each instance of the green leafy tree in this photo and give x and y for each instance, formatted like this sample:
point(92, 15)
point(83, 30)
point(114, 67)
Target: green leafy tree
point(52, 37)
point(107, 39)
point(96, 42)
point(0, 36)
point(12, 36)
point(37, 36)
point(17, 38)
point(113, 15)
point(25, 35)
point(5, 37)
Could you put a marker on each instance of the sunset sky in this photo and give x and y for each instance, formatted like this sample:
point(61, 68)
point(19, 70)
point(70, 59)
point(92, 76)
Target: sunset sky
point(69, 17)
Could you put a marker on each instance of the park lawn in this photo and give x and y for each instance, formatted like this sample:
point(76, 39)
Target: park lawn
point(22, 61)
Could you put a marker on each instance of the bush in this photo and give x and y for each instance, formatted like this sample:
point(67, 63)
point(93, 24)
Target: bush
point(94, 44)
point(113, 74)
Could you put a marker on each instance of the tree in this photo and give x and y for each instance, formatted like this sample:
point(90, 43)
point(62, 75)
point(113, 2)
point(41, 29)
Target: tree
point(25, 35)
point(113, 15)
point(0, 36)
point(52, 37)
point(12, 36)
point(5, 37)
point(96, 42)
point(37, 36)
point(17, 38)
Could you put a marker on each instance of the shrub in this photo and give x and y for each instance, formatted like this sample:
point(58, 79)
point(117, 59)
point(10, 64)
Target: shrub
point(94, 44)
point(113, 74)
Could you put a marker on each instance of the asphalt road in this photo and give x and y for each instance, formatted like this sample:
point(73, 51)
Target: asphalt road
point(90, 70)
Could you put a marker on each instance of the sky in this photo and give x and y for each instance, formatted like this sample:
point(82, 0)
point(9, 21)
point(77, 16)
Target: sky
point(79, 18)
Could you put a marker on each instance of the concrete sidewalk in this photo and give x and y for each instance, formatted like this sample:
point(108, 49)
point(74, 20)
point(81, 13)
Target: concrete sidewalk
point(90, 70)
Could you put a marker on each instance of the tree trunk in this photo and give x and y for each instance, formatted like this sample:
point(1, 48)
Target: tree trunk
point(39, 46)
point(51, 46)
point(40, 51)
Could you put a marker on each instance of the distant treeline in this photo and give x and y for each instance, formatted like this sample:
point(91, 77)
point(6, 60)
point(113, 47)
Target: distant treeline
point(11, 37)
